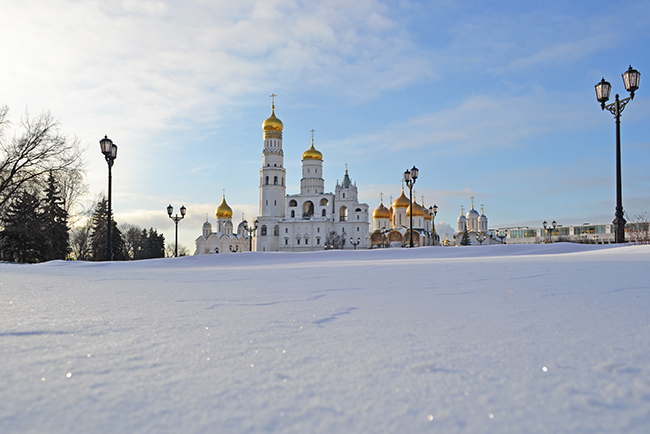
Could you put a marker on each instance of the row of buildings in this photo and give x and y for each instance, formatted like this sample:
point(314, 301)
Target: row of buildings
point(316, 219)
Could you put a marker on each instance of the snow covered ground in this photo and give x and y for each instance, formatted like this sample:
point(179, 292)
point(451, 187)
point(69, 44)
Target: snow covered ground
point(500, 339)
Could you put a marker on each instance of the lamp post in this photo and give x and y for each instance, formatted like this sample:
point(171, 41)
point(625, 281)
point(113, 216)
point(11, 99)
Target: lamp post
point(355, 244)
point(433, 210)
point(109, 149)
point(631, 79)
point(502, 236)
point(549, 229)
point(410, 176)
point(250, 231)
point(176, 218)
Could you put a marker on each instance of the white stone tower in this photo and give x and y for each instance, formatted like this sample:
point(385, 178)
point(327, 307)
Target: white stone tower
point(312, 181)
point(272, 184)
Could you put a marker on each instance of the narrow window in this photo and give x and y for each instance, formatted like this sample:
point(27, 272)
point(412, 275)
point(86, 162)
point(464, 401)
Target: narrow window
point(275, 180)
point(324, 213)
point(293, 215)
point(267, 180)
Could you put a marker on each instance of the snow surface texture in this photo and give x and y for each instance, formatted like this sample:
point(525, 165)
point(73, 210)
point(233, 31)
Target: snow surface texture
point(499, 339)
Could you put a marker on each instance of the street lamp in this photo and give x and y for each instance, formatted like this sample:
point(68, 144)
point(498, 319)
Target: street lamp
point(355, 244)
point(548, 229)
point(109, 149)
point(250, 231)
point(434, 211)
point(409, 178)
point(170, 210)
point(631, 79)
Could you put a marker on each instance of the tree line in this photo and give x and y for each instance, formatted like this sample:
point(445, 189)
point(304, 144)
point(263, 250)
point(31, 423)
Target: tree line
point(41, 183)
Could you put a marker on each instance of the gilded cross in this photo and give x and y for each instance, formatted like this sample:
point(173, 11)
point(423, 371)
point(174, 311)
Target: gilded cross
point(272, 96)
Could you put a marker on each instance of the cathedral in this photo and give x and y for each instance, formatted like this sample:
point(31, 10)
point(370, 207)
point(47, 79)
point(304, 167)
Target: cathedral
point(391, 226)
point(474, 228)
point(311, 220)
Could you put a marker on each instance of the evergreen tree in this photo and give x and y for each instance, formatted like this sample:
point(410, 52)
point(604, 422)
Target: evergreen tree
point(98, 235)
point(465, 240)
point(155, 244)
point(23, 224)
point(55, 237)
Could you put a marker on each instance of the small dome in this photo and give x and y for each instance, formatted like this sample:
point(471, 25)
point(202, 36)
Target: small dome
point(228, 224)
point(427, 214)
point(417, 210)
point(402, 201)
point(381, 212)
point(224, 210)
point(461, 217)
point(207, 225)
point(482, 217)
point(272, 123)
point(312, 154)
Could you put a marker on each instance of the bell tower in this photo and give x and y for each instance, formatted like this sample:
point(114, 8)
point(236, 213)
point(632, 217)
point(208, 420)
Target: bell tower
point(272, 182)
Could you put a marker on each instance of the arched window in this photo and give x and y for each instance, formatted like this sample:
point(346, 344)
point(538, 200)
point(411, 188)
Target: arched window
point(276, 231)
point(275, 180)
point(286, 241)
point(343, 213)
point(308, 209)
point(293, 214)
point(324, 213)
point(283, 180)
point(357, 210)
point(293, 202)
point(263, 231)
point(267, 180)
point(323, 202)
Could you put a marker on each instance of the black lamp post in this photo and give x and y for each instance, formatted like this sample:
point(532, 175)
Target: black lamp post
point(409, 178)
point(433, 210)
point(631, 79)
point(549, 229)
point(250, 231)
point(109, 149)
point(355, 244)
point(176, 218)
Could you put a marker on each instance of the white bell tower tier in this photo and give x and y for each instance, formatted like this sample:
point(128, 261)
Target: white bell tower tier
point(312, 181)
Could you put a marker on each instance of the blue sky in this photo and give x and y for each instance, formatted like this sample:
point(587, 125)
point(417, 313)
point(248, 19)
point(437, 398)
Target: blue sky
point(488, 99)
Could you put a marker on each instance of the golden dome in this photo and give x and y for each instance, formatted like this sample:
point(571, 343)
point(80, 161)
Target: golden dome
point(272, 123)
point(312, 153)
point(402, 201)
point(418, 211)
point(427, 214)
point(381, 212)
point(224, 210)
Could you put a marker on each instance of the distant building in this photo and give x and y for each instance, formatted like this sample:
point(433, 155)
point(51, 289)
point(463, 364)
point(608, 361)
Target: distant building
point(585, 233)
point(476, 226)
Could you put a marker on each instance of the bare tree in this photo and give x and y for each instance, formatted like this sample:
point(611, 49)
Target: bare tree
point(38, 150)
point(182, 250)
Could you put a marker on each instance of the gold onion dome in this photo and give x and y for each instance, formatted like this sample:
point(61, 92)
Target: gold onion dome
point(312, 153)
point(402, 201)
point(418, 211)
point(381, 212)
point(427, 214)
point(224, 210)
point(272, 123)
